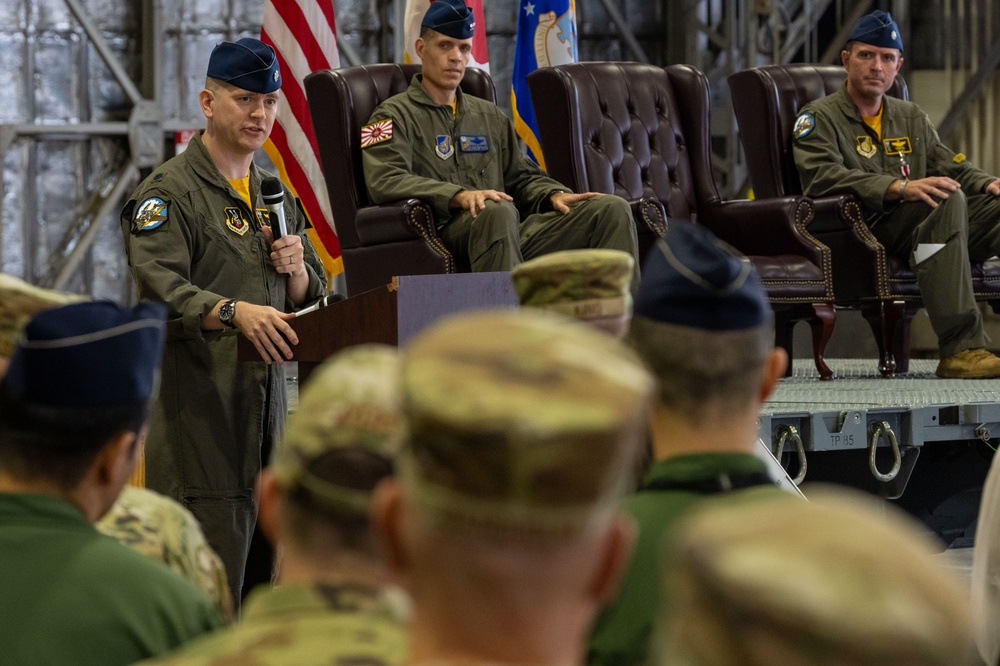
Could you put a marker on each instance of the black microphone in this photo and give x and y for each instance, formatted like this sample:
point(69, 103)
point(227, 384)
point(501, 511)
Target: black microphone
point(274, 197)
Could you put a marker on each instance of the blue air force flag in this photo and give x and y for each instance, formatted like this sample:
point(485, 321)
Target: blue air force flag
point(546, 35)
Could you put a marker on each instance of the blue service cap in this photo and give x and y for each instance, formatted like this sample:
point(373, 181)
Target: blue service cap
point(450, 17)
point(692, 279)
point(249, 64)
point(877, 29)
point(93, 354)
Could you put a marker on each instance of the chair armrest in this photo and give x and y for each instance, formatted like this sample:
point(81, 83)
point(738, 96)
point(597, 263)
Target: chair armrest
point(394, 222)
point(650, 213)
point(836, 213)
point(766, 227)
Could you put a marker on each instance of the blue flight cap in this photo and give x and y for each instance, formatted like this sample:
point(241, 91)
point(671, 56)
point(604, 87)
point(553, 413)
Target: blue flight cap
point(450, 17)
point(877, 29)
point(249, 64)
point(93, 354)
point(692, 279)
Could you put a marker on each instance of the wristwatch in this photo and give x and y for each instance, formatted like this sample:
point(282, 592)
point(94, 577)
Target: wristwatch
point(226, 313)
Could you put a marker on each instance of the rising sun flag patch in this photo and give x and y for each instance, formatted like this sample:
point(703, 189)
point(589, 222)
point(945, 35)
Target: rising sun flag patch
point(376, 133)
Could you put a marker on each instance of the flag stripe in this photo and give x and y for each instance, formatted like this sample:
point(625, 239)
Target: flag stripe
point(308, 195)
point(303, 34)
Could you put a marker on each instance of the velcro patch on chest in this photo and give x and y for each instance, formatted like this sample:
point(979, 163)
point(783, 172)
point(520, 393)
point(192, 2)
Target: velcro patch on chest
point(899, 145)
point(473, 143)
point(865, 146)
point(235, 221)
point(149, 215)
point(377, 132)
point(443, 147)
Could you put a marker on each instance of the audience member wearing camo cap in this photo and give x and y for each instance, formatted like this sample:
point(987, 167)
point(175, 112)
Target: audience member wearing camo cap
point(703, 324)
point(74, 404)
point(841, 579)
point(19, 301)
point(589, 285)
point(162, 529)
point(332, 602)
point(503, 521)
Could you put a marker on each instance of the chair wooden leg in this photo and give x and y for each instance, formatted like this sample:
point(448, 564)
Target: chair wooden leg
point(822, 322)
point(901, 341)
point(784, 324)
point(883, 317)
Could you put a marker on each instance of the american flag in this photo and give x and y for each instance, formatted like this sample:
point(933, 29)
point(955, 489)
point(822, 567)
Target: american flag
point(376, 132)
point(303, 33)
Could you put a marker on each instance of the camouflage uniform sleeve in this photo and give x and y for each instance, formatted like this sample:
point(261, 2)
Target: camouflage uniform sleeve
point(825, 169)
point(159, 244)
point(388, 167)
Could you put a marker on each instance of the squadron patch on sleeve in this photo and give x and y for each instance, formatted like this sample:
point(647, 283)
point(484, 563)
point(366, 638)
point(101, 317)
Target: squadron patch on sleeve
point(803, 125)
point(377, 132)
point(149, 215)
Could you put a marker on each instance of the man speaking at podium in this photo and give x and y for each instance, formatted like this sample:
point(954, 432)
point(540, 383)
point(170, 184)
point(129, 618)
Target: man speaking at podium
point(197, 238)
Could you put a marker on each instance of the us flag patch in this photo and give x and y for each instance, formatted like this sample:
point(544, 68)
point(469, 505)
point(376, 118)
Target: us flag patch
point(376, 133)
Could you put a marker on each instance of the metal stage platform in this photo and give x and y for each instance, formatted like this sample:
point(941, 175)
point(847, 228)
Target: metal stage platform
point(883, 423)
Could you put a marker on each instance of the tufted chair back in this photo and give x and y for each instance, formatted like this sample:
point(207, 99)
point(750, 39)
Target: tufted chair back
point(642, 131)
point(629, 127)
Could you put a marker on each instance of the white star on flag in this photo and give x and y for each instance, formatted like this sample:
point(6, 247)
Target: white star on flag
point(529, 9)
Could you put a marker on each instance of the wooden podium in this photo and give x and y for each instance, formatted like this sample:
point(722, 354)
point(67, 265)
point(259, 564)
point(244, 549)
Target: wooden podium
point(391, 315)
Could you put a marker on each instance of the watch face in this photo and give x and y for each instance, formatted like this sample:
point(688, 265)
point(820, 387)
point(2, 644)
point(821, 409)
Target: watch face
point(226, 312)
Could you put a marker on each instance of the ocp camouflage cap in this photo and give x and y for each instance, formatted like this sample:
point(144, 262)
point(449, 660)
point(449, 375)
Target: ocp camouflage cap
point(585, 284)
point(161, 528)
point(19, 301)
point(839, 579)
point(352, 400)
point(521, 421)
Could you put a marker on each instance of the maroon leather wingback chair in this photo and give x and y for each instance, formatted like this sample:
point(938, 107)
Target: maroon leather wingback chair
point(767, 101)
point(377, 242)
point(642, 132)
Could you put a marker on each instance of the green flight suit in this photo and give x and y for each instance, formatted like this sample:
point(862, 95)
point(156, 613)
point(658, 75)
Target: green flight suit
point(836, 152)
point(216, 417)
point(71, 595)
point(620, 636)
point(433, 155)
point(305, 625)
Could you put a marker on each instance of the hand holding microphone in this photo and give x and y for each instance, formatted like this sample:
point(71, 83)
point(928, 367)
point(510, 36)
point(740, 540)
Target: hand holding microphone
point(274, 199)
point(286, 250)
